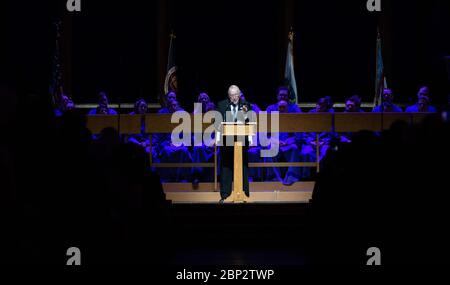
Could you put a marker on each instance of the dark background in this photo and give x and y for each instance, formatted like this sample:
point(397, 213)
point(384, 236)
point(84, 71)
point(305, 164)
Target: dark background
point(121, 47)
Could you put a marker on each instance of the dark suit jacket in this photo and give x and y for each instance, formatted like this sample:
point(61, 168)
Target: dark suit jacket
point(225, 105)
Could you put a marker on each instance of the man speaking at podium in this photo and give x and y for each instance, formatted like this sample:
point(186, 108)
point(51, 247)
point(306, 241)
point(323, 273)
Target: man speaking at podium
point(232, 109)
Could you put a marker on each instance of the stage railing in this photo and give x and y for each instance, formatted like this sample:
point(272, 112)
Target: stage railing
point(296, 123)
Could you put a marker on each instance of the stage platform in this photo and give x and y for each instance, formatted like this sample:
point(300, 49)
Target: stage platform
point(260, 192)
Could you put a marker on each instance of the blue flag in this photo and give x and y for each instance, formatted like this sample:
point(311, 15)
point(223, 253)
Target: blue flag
point(380, 80)
point(289, 75)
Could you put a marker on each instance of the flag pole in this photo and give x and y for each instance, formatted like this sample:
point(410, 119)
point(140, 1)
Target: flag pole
point(291, 34)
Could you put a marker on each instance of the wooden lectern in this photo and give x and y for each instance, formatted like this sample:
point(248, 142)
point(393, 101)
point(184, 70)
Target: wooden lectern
point(238, 129)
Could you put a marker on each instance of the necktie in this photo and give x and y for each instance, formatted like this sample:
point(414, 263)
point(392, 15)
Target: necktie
point(234, 111)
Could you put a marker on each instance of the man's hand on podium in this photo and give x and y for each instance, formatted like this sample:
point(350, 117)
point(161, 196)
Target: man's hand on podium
point(217, 138)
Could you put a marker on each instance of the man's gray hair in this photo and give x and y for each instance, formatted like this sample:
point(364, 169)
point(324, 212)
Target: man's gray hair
point(234, 88)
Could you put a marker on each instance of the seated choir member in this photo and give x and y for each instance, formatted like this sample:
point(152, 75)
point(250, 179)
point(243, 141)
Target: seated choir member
point(387, 104)
point(352, 105)
point(323, 105)
point(167, 152)
point(423, 102)
point(202, 152)
point(283, 95)
point(102, 108)
point(289, 144)
point(170, 96)
point(142, 139)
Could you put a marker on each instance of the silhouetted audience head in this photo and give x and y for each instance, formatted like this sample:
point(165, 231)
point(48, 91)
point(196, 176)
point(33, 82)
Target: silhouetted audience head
point(381, 179)
point(109, 136)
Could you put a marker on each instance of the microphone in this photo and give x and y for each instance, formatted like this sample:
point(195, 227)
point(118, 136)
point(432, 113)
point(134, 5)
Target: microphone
point(224, 115)
point(244, 103)
point(241, 105)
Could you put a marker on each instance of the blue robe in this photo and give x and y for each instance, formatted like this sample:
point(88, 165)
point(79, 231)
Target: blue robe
point(255, 108)
point(393, 108)
point(415, 108)
point(292, 108)
point(331, 110)
point(200, 154)
point(110, 111)
point(288, 153)
point(164, 111)
point(141, 139)
point(309, 150)
point(166, 153)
